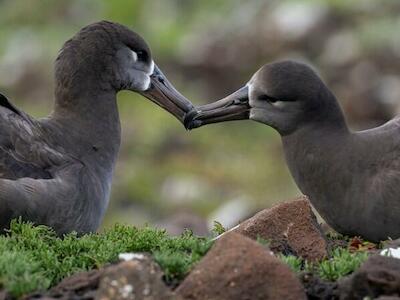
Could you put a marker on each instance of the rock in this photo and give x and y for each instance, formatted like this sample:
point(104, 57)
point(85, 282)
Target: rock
point(316, 288)
point(82, 285)
point(290, 227)
point(392, 252)
point(237, 267)
point(4, 295)
point(138, 278)
point(392, 244)
point(378, 276)
point(133, 280)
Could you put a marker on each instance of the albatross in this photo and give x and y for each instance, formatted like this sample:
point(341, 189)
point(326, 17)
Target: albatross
point(57, 170)
point(352, 178)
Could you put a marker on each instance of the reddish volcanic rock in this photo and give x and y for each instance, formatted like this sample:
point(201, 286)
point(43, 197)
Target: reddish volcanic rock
point(290, 227)
point(239, 268)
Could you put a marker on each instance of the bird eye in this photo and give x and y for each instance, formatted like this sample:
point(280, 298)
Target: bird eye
point(272, 100)
point(268, 98)
point(142, 55)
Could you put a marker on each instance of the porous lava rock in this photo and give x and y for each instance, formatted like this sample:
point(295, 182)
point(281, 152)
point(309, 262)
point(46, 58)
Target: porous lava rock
point(139, 278)
point(136, 279)
point(378, 276)
point(290, 228)
point(82, 285)
point(317, 288)
point(237, 267)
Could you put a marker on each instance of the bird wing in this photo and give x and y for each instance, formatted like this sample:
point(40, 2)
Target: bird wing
point(37, 181)
point(382, 160)
point(386, 130)
point(43, 201)
point(25, 150)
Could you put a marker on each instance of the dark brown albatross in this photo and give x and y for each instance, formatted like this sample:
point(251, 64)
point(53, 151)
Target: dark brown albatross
point(351, 178)
point(57, 171)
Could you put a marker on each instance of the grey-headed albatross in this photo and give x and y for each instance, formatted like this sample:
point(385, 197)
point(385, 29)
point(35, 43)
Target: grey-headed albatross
point(57, 170)
point(351, 178)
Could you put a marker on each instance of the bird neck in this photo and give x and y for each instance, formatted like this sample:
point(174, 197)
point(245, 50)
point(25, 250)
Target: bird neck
point(323, 137)
point(322, 132)
point(91, 120)
point(317, 150)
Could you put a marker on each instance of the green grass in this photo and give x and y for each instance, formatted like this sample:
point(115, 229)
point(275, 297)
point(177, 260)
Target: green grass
point(295, 263)
point(34, 258)
point(342, 263)
point(218, 228)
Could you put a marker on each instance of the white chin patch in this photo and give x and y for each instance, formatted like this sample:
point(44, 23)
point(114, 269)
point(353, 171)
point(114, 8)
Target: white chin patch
point(151, 68)
point(146, 83)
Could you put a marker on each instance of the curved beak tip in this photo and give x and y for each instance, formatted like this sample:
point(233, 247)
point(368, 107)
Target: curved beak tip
point(189, 120)
point(233, 107)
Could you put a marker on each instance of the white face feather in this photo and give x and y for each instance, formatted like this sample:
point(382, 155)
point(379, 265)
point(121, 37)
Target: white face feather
point(134, 55)
point(151, 68)
point(147, 82)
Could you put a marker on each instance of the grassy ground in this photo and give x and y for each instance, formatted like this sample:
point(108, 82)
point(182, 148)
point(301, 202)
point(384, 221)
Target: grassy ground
point(341, 263)
point(34, 258)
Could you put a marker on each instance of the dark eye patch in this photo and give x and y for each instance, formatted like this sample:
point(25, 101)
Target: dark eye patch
point(142, 55)
point(265, 97)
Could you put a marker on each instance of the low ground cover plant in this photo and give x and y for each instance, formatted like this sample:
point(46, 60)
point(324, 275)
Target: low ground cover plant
point(33, 258)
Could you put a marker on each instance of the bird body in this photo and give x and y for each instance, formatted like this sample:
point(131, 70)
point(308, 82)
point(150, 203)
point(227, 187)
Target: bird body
point(351, 178)
point(57, 167)
point(58, 170)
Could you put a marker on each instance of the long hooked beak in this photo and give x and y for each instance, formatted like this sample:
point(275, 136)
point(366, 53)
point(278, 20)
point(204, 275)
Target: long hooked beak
point(233, 107)
point(164, 94)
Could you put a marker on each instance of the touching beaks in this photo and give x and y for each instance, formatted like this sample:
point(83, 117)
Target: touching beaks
point(233, 107)
point(163, 93)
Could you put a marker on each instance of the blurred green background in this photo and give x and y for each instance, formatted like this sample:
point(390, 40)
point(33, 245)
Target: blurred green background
point(209, 48)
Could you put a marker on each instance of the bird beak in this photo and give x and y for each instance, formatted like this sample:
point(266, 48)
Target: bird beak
point(233, 107)
point(163, 93)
